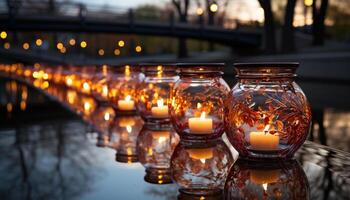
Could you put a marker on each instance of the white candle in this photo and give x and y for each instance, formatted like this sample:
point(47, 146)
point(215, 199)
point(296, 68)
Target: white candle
point(200, 125)
point(262, 140)
point(160, 111)
point(127, 104)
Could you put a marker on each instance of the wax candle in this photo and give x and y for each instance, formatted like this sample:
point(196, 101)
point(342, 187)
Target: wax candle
point(201, 154)
point(127, 104)
point(262, 140)
point(200, 125)
point(161, 110)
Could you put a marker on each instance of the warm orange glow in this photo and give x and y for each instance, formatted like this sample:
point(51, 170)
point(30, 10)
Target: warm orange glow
point(138, 48)
point(199, 11)
point(107, 116)
point(23, 105)
point(38, 42)
point(121, 43)
point(63, 50)
point(72, 42)
point(7, 45)
point(59, 46)
point(101, 52)
point(3, 35)
point(9, 107)
point(26, 46)
point(117, 52)
point(83, 44)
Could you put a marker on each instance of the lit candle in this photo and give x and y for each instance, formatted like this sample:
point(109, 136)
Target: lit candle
point(105, 91)
point(161, 110)
point(201, 154)
point(127, 104)
point(200, 125)
point(262, 140)
point(86, 87)
point(161, 136)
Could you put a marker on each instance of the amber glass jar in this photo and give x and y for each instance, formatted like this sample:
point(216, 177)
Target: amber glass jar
point(267, 115)
point(197, 101)
point(154, 92)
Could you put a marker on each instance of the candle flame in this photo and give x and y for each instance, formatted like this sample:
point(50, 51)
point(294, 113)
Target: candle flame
point(86, 86)
point(128, 98)
point(106, 116)
point(69, 81)
point(202, 160)
point(129, 151)
point(128, 128)
point(127, 70)
point(267, 127)
point(199, 105)
point(161, 139)
point(87, 106)
point(264, 186)
point(202, 115)
point(160, 102)
point(105, 90)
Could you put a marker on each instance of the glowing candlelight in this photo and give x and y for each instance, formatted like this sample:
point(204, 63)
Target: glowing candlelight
point(107, 116)
point(105, 91)
point(161, 110)
point(86, 87)
point(161, 136)
point(201, 154)
point(263, 140)
point(200, 125)
point(127, 104)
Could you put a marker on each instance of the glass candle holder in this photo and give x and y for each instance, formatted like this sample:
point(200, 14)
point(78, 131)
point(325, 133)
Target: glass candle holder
point(99, 84)
point(262, 180)
point(267, 114)
point(155, 145)
point(123, 88)
point(101, 118)
point(200, 168)
point(197, 106)
point(123, 137)
point(154, 92)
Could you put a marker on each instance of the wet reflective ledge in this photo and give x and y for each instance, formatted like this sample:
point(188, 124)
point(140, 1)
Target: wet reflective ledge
point(61, 144)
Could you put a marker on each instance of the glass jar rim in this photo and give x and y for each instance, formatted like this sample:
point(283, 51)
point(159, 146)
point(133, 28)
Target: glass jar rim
point(201, 68)
point(157, 67)
point(266, 70)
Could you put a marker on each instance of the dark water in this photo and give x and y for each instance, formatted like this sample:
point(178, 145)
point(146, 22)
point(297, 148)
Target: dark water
point(49, 152)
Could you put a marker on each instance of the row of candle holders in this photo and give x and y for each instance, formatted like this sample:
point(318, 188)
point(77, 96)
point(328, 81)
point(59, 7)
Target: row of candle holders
point(265, 116)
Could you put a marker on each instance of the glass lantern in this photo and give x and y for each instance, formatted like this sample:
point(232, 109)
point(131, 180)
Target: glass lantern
point(123, 88)
point(154, 92)
point(101, 118)
point(267, 114)
point(155, 145)
point(200, 168)
point(123, 137)
point(99, 84)
point(197, 101)
point(262, 180)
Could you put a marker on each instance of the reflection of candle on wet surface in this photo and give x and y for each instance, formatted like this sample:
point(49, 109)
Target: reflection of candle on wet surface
point(264, 177)
point(161, 110)
point(200, 125)
point(263, 140)
point(127, 104)
point(201, 154)
point(161, 136)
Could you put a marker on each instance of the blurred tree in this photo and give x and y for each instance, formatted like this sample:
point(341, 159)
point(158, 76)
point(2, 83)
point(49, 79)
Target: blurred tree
point(269, 26)
point(288, 43)
point(318, 26)
point(182, 10)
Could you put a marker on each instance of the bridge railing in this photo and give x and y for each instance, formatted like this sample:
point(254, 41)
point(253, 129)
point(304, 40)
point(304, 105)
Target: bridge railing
point(104, 12)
